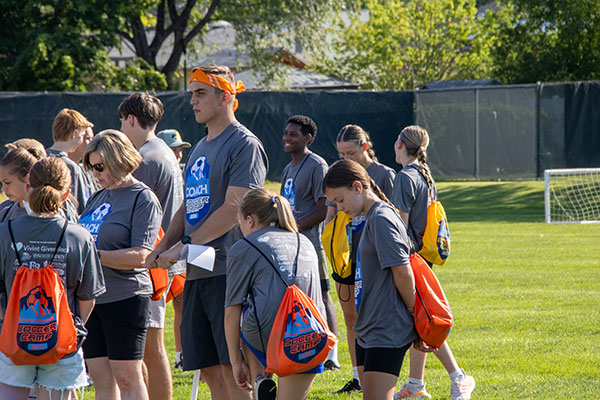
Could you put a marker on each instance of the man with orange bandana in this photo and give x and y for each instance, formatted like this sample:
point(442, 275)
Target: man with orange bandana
point(221, 168)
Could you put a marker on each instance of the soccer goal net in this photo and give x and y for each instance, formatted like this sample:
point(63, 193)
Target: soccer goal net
point(572, 196)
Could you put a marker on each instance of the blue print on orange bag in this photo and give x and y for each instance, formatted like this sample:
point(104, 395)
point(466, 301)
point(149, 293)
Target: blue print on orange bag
point(37, 330)
point(304, 336)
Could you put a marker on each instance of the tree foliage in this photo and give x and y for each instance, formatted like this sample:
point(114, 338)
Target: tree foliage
point(406, 43)
point(61, 45)
point(549, 40)
point(260, 25)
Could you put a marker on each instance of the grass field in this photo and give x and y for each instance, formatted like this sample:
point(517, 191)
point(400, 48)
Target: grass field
point(525, 296)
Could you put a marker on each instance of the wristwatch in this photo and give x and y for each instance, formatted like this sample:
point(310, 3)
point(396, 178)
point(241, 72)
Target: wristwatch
point(186, 239)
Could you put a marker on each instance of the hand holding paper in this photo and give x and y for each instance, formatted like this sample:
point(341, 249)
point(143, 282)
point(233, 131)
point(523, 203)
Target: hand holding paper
point(199, 255)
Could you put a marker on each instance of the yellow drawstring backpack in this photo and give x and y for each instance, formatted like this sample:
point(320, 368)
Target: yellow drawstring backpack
point(336, 244)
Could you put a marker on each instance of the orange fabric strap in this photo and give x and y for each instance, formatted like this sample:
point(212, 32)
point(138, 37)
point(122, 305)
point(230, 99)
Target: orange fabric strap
point(220, 83)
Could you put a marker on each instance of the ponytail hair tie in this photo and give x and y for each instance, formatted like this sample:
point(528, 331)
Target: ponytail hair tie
point(273, 199)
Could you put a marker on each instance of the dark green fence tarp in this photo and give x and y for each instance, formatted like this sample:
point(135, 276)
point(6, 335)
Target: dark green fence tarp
point(382, 114)
point(499, 132)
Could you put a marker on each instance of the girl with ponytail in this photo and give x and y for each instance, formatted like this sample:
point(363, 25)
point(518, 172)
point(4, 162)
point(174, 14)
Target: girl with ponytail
point(254, 291)
point(76, 262)
point(414, 189)
point(384, 327)
point(353, 143)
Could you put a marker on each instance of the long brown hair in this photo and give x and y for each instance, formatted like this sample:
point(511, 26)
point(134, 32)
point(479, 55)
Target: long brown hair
point(49, 180)
point(268, 208)
point(344, 173)
point(416, 140)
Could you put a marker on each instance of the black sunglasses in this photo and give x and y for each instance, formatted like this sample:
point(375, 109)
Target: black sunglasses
point(98, 167)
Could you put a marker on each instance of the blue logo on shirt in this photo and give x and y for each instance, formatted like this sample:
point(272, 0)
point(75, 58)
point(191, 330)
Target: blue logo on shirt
point(197, 191)
point(93, 219)
point(358, 283)
point(289, 192)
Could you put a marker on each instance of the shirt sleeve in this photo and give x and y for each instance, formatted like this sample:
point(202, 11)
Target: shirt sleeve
point(249, 165)
point(91, 284)
point(387, 185)
point(406, 193)
point(239, 274)
point(390, 240)
point(318, 174)
point(146, 220)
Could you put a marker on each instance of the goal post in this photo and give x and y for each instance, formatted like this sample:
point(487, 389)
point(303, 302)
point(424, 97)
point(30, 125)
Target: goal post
point(572, 195)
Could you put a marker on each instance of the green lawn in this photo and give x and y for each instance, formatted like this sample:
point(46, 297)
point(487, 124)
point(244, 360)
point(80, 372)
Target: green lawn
point(525, 296)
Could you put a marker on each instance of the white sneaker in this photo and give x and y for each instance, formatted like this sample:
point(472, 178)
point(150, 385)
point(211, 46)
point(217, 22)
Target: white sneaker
point(408, 391)
point(462, 387)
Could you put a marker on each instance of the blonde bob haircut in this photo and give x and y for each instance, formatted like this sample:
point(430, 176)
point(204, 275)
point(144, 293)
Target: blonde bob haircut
point(119, 155)
point(269, 209)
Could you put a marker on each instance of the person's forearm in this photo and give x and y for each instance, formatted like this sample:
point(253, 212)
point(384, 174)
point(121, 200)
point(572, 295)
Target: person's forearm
point(331, 213)
point(219, 223)
point(314, 218)
point(130, 258)
point(85, 308)
point(405, 283)
point(232, 332)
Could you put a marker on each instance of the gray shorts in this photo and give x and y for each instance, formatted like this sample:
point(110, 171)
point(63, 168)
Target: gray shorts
point(156, 313)
point(65, 374)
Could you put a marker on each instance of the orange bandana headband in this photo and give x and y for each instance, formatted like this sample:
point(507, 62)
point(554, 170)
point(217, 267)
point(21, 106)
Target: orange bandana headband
point(217, 82)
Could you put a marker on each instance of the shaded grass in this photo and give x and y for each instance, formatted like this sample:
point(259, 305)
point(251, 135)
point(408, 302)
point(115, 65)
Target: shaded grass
point(525, 296)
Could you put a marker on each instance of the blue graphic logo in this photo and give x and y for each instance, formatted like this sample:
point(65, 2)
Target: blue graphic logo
point(443, 239)
point(358, 283)
point(37, 331)
point(289, 192)
point(358, 222)
point(197, 191)
point(94, 219)
point(304, 336)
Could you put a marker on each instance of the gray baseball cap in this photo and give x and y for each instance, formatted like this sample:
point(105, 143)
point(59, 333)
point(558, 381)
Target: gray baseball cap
point(172, 138)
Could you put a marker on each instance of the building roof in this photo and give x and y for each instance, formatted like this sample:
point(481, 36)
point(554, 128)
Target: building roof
point(295, 78)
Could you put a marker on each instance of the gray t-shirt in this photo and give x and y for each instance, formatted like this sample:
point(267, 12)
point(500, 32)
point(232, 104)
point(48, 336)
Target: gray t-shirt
point(76, 260)
point(116, 221)
point(383, 177)
point(234, 158)
point(160, 171)
point(383, 319)
point(79, 185)
point(410, 195)
point(302, 186)
point(13, 211)
point(251, 277)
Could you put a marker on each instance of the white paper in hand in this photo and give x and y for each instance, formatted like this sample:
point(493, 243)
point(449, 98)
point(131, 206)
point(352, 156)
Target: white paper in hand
point(199, 256)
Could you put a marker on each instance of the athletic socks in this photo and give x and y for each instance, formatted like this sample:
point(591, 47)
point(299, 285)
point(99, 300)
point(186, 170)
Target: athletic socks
point(177, 356)
point(459, 373)
point(355, 374)
point(416, 382)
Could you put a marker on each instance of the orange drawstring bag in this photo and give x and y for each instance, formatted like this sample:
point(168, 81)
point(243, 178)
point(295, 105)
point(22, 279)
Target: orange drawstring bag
point(300, 339)
point(432, 313)
point(38, 327)
point(177, 286)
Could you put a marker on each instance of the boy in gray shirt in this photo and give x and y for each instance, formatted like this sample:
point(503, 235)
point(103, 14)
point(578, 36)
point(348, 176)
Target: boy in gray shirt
point(159, 170)
point(301, 185)
point(221, 168)
point(68, 130)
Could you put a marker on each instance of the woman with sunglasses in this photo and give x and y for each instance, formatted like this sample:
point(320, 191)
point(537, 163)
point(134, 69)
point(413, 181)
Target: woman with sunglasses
point(124, 218)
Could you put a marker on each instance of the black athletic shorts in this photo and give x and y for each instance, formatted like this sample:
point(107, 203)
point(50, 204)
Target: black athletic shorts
point(203, 324)
point(381, 359)
point(117, 330)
